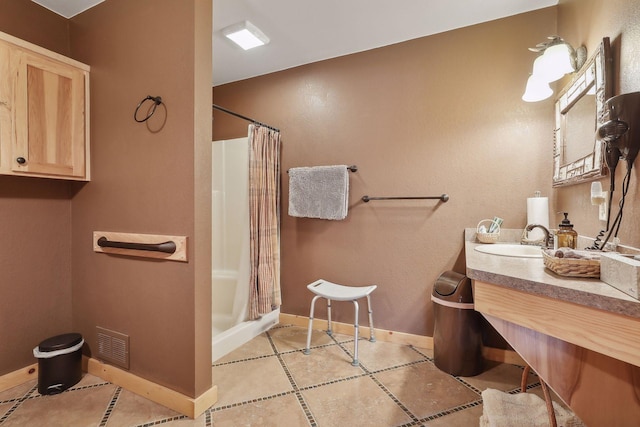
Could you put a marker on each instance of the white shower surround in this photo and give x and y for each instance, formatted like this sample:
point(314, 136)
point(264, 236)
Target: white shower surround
point(230, 250)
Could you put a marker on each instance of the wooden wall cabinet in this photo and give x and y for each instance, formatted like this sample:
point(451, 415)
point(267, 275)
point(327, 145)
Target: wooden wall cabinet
point(44, 112)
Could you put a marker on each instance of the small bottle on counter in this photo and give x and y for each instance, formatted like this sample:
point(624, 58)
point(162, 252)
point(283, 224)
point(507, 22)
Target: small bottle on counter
point(566, 236)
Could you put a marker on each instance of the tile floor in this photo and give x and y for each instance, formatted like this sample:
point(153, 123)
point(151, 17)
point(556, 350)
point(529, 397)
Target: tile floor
point(269, 382)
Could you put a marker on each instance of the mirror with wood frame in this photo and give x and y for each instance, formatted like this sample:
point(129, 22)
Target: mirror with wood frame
point(580, 108)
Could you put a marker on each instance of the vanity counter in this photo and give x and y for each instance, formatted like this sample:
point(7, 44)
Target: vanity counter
point(529, 275)
point(582, 336)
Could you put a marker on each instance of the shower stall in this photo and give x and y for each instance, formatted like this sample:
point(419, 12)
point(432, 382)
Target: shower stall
point(230, 249)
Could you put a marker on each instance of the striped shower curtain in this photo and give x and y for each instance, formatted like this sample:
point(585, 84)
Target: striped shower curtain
point(264, 213)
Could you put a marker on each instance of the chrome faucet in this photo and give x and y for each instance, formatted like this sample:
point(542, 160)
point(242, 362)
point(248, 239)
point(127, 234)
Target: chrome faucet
point(548, 239)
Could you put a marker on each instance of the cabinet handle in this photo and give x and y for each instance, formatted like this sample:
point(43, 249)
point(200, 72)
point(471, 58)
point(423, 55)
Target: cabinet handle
point(21, 160)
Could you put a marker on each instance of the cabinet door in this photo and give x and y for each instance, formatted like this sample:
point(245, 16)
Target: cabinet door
point(49, 117)
point(6, 97)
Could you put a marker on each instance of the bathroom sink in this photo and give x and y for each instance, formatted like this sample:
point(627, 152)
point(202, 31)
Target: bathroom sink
point(513, 250)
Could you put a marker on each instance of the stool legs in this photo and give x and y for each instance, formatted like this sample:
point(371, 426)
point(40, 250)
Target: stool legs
point(329, 330)
point(313, 306)
point(372, 337)
point(355, 335)
point(356, 327)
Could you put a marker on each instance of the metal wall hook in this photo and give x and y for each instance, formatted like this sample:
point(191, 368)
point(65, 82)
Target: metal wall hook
point(157, 100)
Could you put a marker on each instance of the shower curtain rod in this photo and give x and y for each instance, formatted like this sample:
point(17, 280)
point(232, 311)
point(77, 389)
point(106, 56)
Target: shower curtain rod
point(249, 119)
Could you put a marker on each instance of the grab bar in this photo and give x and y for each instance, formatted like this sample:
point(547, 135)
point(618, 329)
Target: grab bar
point(443, 198)
point(166, 247)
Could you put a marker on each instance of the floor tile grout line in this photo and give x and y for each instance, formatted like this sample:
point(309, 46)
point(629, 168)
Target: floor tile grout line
point(340, 344)
point(336, 381)
point(393, 397)
point(426, 359)
point(306, 409)
point(335, 342)
point(409, 424)
point(450, 411)
point(246, 402)
point(301, 401)
point(17, 404)
point(297, 390)
point(440, 414)
point(467, 384)
point(468, 405)
point(270, 355)
point(366, 372)
point(15, 399)
point(30, 396)
point(414, 348)
point(404, 365)
point(396, 400)
point(529, 387)
point(110, 406)
point(70, 390)
point(247, 359)
point(473, 403)
point(163, 421)
point(282, 364)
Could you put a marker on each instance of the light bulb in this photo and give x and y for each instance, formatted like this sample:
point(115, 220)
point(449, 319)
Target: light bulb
point(554, 63)
point(536, 90)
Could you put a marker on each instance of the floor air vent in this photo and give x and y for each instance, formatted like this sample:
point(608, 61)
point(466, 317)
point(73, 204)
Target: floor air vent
point(113, 347)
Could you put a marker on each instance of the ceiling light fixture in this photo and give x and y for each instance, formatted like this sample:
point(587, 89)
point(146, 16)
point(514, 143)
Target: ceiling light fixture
point(246, 35)
point(557, 58)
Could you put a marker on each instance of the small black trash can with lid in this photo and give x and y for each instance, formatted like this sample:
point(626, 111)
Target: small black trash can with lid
point(59, 363)
point(457, 336)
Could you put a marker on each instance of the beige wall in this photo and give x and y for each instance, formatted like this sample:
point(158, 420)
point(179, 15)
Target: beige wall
point(440, 114)
point(143, 181)
point(31, 22)
point(586, 22)
point(35, 225)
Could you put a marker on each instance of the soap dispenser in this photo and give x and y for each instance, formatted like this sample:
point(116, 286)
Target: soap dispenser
point(566, 236)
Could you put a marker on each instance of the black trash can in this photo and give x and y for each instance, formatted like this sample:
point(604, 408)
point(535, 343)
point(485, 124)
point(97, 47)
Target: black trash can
point(457, 337)
point(59, 363)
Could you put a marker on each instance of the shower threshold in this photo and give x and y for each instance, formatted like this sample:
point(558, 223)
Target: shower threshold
point(227, 341)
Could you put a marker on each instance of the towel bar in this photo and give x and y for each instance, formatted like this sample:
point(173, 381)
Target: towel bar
point(352, 168)
point(443, 198)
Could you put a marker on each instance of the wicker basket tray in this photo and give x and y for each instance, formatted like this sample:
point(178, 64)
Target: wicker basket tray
point(572, 267)
point(487, 237)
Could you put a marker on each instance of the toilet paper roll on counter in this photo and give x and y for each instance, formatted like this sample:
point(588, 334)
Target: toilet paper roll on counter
point(537, 213)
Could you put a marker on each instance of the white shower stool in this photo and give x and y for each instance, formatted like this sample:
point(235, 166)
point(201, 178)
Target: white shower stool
point(332, 291)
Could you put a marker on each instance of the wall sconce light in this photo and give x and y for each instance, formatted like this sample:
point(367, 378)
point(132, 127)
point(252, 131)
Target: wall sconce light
point(537, 89)
point(556, 59)
point(245, 34)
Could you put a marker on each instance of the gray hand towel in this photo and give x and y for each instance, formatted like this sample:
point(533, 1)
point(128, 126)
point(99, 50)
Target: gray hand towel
point(319, 192)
